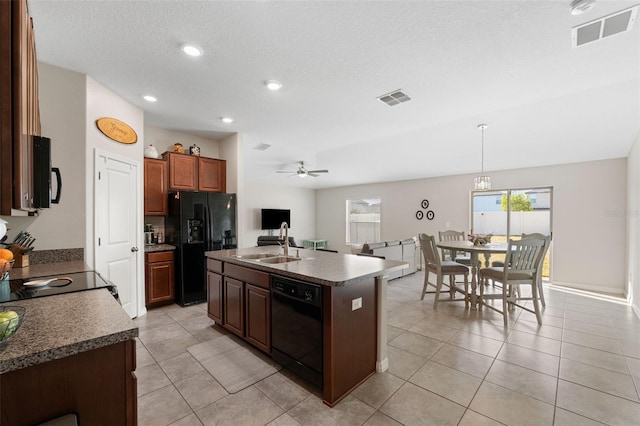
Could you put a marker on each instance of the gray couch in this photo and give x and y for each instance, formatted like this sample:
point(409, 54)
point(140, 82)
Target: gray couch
point(404, 251)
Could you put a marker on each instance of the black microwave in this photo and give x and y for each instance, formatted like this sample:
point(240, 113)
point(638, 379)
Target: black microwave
point(42, 170)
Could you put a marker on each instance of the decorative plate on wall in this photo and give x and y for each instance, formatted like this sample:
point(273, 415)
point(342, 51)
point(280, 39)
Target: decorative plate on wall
point(419, 214)
point(117, 130)
point(425, 204)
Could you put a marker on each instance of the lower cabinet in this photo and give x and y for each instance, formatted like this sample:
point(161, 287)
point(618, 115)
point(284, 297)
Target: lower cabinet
point(234, 306)
point(215, 300)
point(258, 317)
point(159, 278)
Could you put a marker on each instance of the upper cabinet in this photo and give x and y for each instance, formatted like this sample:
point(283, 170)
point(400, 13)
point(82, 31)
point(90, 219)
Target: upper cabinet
point(194, 173)
point(156, 202)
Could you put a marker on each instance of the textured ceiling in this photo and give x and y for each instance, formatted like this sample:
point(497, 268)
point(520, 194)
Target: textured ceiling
point(505, 63)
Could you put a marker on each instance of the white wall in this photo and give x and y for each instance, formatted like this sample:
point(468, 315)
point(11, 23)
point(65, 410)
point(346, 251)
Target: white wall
point(632, 214)
point(257, 196)
point(164, 139)
point(589, 242)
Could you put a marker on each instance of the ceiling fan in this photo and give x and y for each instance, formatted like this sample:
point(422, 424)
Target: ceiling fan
point(302, 172)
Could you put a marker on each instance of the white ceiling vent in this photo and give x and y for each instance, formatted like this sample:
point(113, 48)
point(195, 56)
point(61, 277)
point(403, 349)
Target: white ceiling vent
point(261, 146)
point(615, 23)
point(394, 98)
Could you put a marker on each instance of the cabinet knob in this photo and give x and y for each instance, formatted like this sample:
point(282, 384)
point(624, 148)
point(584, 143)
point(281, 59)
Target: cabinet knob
point(134, 249)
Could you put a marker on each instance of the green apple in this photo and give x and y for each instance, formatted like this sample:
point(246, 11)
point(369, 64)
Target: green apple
point(8, 323)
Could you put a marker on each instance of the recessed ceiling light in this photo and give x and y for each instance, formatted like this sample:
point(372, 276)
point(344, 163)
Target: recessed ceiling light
point(191, 50)
point(149, 98)
point(273, 85)
point(227, 120)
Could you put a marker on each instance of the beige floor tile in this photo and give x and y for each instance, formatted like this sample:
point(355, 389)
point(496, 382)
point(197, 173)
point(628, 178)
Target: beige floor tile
point(597, 405)
point(445, 381)
point(471, 418)
point(595, 357)
point(591, 341)
point(283, 420)
point(349, 411)
point(631, 349)
point(393, 332)
point(538, 343)
point(528, 382)
point(203, 328)
point(495, 331)
point(379, 419)
point(405, 318)
point(180, 367)
point(143, 357)
point(185, 314)
point(588, 318)
point(162, 407)
point(200, 390)
point(634, 366)
point(168, 348)
point(599, 379)
point(247, 407)
point(597, 330)
point(567, 418)
point(151, 378)
point(402, 363)
point(282, 390)
point(190, 420)
point(511, 408)
point(546, 320)
point(416, 344)
point(464, 360)
point(476, 343)
point(161, 333)
point(412, 405)
point(433, 330)
point(152, 319)
point(543, 330)
point(528, 358)
point(378, 388)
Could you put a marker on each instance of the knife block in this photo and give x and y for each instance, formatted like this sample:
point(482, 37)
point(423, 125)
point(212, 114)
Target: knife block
point(21, 261)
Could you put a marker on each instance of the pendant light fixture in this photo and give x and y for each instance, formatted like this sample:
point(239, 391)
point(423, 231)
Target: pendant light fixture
point(482, 182)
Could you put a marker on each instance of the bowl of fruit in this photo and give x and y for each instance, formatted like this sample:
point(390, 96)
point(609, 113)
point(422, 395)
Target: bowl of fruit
point(10, 319)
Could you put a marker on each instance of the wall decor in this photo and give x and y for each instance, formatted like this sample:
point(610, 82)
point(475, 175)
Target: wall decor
point(194, 150)
point(117, 130)
point(430, 215)
point(425, 204)
point(419, 214)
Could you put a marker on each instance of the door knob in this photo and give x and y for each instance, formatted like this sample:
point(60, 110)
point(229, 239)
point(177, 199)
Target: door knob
point(134, 249)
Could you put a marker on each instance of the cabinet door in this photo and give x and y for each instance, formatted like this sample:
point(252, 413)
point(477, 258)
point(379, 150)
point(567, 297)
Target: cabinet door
point(212, 175)
point(183, 172)
point(258, 317)
point(214, 296)
point(234, 306)
point(160, 279)
point(155, 187)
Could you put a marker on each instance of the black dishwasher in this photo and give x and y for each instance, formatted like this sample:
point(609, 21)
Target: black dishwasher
point(296, 327)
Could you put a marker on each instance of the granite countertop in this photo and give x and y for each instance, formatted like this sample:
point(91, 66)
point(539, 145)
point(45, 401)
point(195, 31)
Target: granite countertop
point(59, 326)
point(324, 268)
point(158, 247)
point(44, 269)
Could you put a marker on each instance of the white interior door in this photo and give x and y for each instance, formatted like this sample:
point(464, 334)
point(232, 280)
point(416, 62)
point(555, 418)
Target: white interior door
point(117, 215)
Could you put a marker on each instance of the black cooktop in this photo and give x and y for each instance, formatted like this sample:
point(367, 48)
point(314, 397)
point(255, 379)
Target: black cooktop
point(54, 284)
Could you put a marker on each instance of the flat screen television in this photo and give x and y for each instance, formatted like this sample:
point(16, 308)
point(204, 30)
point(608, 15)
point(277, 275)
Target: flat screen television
point(273, 218)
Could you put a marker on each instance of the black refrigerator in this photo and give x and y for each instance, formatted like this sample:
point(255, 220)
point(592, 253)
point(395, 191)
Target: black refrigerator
point(198, 222)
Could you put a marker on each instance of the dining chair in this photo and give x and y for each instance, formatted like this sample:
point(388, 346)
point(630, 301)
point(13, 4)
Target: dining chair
point(523, 266)
point(451, 235)
point(434, 264)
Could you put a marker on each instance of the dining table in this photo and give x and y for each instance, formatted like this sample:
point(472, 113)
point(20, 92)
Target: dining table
point(474, 251)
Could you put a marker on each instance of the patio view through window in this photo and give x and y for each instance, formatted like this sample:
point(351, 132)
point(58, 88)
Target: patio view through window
point(363, 220)
point(509, 213)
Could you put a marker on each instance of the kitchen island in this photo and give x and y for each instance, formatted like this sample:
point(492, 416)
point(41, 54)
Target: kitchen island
point(353, 306)
point(74, 353)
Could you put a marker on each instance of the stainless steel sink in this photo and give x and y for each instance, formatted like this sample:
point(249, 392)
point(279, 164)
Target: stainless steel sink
point(279, 259)
point(257, 256)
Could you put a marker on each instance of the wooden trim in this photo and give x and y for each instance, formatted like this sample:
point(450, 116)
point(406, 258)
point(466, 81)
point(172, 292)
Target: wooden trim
point(258, 278)
point(6, 132)
point(159, 256)
point(214, 265)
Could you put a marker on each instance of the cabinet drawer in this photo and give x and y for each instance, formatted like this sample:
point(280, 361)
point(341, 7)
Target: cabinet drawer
point(214, 265)
point(261, 279)
point(160, 256)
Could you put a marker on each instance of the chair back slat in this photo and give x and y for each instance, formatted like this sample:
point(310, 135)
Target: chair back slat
point(451, 235)
point(525, 254)
point(429, 250)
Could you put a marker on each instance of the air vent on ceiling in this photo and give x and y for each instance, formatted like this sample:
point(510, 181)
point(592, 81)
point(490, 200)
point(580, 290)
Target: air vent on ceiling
point(262, 146)
point(615, 23)
point(394, 98)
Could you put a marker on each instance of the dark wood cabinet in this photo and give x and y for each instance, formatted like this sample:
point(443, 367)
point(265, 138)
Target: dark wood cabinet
point(212, 175)
point(234, 306)
point(159, 278)
point(215, 297)
point(183, 171)
point(258, 317)
point(155, 188)
point(98, 385)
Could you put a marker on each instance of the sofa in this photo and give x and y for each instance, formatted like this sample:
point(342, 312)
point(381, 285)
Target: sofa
point(274, 240)
point(404, 251)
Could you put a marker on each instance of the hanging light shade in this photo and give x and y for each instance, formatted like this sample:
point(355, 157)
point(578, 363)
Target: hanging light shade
point(482, 182)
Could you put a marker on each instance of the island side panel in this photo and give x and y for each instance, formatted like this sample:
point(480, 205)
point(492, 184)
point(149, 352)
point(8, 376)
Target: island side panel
point(350, 338)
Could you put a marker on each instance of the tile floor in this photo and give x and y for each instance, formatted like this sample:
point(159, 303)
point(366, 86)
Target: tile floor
point(450, 366)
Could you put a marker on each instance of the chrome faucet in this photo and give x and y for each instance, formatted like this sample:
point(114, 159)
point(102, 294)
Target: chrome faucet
point(286, 237)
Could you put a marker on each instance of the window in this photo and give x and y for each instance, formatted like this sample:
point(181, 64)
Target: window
point(363, 220)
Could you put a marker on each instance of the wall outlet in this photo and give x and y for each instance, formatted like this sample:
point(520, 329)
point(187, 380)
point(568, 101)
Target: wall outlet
point(356, 303)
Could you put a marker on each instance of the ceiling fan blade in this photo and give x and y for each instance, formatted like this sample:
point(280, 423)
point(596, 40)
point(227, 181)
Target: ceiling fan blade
point(312, 174)
point(285, 171)
point(318, 171)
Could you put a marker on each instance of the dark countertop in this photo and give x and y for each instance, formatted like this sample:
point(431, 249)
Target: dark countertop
point(44, 269)
point(324, 268)
point(158, 247)
point(59, 326)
